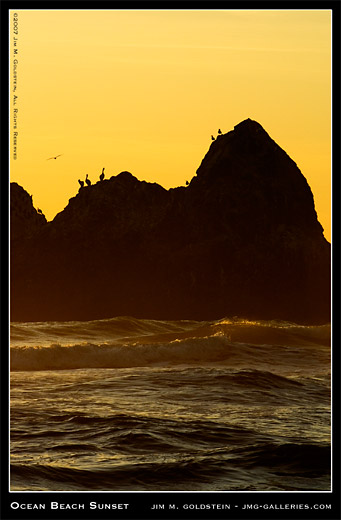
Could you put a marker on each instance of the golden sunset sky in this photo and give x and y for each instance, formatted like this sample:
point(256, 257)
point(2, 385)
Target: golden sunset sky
point(143, 90)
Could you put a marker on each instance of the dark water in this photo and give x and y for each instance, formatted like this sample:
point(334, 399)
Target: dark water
point(143, 405)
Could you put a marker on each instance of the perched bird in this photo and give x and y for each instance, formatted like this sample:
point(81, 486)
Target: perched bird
point(39, 211)
point(213, 138)
point(187, 183)
point(81, 183)
point(88, 181)
point(101, 177)
point(219, 131)
point(54, 157)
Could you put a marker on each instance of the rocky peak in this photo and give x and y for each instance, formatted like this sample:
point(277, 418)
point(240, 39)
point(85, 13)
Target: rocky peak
point(256, 179)
point(120, 204)
point(24, 218)
point(249, 147)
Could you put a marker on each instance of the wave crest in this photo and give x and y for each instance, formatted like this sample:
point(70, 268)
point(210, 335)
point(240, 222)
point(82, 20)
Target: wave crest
point(128, 342)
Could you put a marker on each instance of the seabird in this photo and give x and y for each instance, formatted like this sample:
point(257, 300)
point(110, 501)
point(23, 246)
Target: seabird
point(81, 183)
point(213, 138)
point(54, 157)
point(101, 177)
point(219, 131)
point(88, 181)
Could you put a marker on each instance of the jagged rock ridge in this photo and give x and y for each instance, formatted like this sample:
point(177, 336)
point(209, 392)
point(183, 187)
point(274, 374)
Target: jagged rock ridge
point(242, 239)
point(25, 220)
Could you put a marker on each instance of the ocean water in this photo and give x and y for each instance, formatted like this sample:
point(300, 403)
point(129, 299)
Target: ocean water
point(141, 405)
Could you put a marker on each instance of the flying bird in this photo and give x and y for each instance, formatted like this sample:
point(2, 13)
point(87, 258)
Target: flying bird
point(54, 157)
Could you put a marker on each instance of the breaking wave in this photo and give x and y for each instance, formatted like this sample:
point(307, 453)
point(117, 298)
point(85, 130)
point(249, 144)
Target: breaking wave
point(128, 342)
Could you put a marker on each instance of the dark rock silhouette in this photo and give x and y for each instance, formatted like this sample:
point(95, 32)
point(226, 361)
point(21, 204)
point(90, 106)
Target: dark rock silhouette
point(242, 239)
point(25, 220)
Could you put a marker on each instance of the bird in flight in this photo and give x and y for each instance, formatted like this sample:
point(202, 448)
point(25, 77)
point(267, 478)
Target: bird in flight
point(54, 157)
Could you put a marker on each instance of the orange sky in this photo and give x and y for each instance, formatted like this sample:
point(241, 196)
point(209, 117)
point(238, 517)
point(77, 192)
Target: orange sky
point(144, 90)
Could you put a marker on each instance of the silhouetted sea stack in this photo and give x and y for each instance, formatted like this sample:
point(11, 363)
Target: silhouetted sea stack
point(242, 239)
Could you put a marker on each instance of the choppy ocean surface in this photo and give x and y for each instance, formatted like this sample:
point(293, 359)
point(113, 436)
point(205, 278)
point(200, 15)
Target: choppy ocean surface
point(144, 405)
